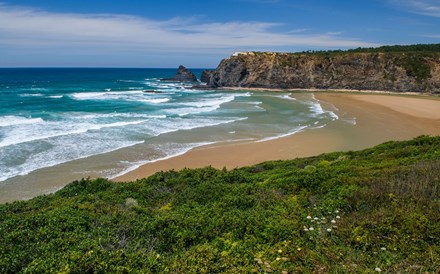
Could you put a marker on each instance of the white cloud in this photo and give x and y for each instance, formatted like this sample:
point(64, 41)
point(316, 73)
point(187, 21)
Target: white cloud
point(434, 36)
point(34, 30)
point(423, 7)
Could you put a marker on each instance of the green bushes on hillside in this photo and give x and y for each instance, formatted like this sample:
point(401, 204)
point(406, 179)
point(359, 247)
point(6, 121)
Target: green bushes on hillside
point(338, 212)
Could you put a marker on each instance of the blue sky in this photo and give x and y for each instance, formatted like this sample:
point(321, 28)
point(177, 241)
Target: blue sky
point(141, 33)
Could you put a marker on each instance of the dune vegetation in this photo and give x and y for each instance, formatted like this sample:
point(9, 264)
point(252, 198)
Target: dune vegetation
point(375, 210)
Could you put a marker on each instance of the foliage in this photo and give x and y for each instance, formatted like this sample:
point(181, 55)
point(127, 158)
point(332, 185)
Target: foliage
point(395, 48)
point(338, 212)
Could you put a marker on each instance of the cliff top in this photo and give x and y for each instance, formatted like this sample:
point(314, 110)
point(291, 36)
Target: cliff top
point(418, 48)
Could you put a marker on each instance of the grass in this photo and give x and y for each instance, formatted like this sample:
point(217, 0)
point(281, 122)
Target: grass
point(340, 212)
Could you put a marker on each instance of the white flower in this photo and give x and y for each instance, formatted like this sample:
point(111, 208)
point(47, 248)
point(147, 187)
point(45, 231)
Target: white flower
point(377, 269)
point(309, 217)
point(316, 218)
point(306, 229)
point(338, 217)
point(311, 228)
point(323, 218)
point(329, 229)
point(383, 248)
point(336, 211)
point(333, 221)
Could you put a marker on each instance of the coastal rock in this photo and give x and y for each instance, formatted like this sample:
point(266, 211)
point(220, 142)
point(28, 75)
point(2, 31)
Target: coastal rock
point(206, 75)
point(389, 71)
point(182, 75)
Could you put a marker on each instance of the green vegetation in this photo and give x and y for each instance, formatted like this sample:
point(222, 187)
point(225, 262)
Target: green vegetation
point(338, 213)
point(422, 48)
point(415, 66)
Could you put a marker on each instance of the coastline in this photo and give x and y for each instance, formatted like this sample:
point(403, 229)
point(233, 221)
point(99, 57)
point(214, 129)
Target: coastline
point(379, 117)
point(333, 90)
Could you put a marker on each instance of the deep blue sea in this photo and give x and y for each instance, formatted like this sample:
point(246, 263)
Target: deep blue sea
point(53, 116)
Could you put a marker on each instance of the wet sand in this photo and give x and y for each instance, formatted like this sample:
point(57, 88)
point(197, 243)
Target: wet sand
point(364, 120)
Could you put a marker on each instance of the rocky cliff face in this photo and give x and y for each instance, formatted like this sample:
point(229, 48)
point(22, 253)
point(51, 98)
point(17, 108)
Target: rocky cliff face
point(406, 72)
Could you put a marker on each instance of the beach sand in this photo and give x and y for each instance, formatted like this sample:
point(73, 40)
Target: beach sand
point(364, 120)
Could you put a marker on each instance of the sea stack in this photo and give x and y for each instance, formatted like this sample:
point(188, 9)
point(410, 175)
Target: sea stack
point(182, 75)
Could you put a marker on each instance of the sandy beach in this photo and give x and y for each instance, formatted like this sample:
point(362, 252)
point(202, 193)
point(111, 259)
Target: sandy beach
point(364, 120)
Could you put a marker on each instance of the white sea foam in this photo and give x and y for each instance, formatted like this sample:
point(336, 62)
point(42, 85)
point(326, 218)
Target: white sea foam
point(61, 154)
point(316, 108)
point(298, 129)
point(55, 96)
point(10, 120)
point(155, 101)
point(19, 135)
point(286, 97)
point(31, 95)
point(203, 105)
point(108, 95)
point(170, 153)
point(63, 142)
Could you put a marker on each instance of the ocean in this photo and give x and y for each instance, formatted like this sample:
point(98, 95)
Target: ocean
point(70, 123)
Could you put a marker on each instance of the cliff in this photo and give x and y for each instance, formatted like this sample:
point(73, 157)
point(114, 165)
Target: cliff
point(390, 71)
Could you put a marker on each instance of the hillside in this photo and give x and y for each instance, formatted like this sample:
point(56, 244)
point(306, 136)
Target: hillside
point(394, 68)
point(364, 211)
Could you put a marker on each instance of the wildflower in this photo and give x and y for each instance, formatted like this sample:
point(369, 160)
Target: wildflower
point(299, 249)
point(316, 218)
point(278, 258)
point(311, 228)
point(333, 221)
point(323, 218)
point(383, 248)
point(377, 269)
point(338, 217)
point(336, 211)
point(306, 229)
point(329, 229)
point(280, 251)
point(309, 217)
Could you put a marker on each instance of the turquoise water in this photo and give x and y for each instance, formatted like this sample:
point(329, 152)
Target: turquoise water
point(56, 116)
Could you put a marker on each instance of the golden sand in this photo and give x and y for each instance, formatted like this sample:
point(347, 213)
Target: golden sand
point(364, 120)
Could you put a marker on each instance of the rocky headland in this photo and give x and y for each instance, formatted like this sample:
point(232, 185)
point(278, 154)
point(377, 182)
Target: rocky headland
point(398, 71)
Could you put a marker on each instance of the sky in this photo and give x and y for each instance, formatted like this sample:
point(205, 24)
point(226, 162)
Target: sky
point(198, 34)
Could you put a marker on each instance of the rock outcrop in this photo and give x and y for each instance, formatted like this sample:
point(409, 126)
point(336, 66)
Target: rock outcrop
point(206, 75)
point(392, 71)
point(182, 75)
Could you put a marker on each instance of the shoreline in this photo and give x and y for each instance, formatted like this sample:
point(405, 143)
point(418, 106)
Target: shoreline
point(365, 120)
point(336, 90)
point(378, 118)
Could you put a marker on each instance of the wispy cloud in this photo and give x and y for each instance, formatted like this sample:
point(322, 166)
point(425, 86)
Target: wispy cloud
point(422, 7)
point(32, 29)
point(433, 36)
